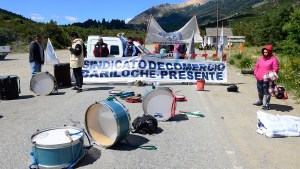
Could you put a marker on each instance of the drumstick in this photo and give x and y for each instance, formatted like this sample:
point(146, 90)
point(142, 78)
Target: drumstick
point(68, 135)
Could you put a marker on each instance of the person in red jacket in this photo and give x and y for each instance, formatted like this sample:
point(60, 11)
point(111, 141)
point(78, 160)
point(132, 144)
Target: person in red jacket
point(266, 63)
point(101, 49)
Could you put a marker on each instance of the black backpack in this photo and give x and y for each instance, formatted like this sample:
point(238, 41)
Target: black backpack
point(280, 94)
point(232, 88)
point(146, 124)
point(84, 50)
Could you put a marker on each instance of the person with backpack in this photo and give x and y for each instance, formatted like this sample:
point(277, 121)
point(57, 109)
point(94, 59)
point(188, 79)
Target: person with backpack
point(267, 63)
point(100, 49)
point(77, 60)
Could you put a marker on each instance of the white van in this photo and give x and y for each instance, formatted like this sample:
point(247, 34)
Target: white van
point(114, 44)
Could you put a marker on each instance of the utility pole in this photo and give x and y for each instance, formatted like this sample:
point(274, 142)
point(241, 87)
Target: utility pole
point(217, 25)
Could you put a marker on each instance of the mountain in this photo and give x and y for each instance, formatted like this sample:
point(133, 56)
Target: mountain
point(205, 10)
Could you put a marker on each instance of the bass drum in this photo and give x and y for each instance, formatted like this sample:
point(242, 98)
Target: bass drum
point(54, 148)
point(107, 122)
point(160, 103)
point(42, 83)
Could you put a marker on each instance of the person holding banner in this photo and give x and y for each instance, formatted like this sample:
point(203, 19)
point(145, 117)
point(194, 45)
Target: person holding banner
point(130, 49)
point(36, 54)
point(77, 60)
point(101, 49)
point(267, 63)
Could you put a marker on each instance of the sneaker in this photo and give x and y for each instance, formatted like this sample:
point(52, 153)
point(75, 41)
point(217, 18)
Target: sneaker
point(79, 90)
point(266, 107)
point(75, 88)
point(259, 103)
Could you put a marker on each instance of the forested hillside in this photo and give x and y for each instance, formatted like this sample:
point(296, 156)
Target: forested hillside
point(17, 31)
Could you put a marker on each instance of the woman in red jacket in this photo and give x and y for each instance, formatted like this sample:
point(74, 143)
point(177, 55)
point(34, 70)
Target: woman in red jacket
point(266, 63)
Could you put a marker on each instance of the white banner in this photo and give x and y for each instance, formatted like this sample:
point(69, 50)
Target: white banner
point(51, 57)
point(150, 68)
point(156, 34)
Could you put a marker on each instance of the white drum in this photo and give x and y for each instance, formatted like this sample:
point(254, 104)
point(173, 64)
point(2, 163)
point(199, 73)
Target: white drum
point(42, 83)
point(160, 103)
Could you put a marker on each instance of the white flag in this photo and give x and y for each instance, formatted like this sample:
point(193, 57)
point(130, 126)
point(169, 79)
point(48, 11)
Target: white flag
point(51, 57)
point(220, 45)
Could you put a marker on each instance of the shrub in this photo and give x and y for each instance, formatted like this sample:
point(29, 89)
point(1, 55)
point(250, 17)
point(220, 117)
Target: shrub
point(246, 63)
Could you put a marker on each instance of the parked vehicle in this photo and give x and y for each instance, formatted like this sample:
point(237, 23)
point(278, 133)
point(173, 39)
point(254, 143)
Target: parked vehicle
point(4, 50)
point(114, 44)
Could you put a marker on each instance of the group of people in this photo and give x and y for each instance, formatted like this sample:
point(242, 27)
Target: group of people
point(176, 48)
point(267, 62)
point(37, 55)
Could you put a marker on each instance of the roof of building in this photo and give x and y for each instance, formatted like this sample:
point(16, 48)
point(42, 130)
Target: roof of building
point(213, 31)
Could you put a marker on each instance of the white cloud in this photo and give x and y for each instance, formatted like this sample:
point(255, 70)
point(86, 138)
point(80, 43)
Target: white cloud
point(35, 16)
point(55, 16)
point(127, 20)
point(71, 19)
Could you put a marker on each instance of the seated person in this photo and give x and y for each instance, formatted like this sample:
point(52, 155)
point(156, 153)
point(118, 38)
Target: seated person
point(100, 49)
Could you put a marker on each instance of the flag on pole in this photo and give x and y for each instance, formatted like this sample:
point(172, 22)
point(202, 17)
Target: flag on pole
point(220, 45)
point(51, 57)
point(191, 47)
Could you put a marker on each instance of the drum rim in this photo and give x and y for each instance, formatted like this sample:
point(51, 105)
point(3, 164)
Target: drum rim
point(57, 145)
point(47, 73)
point(158, 88)
point(118, 125)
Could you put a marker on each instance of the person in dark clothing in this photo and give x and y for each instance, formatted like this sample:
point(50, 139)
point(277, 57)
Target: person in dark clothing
point(36, 54)
point(77, 60)
point(101, 49)
point(130, 49)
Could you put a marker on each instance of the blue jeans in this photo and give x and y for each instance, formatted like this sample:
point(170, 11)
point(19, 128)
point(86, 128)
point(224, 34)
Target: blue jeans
point(263, 89)
point(35, 67)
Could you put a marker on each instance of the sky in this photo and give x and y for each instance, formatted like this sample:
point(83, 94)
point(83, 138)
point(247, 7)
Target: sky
point(70, 11)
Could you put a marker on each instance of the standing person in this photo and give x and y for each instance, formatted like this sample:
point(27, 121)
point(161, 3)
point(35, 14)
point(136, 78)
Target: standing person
point(130, 49)
point(101, 49)
point(266, 63)
point(36, 54)
point(77, 60)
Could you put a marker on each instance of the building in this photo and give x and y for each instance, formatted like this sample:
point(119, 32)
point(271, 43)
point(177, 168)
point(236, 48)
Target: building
point(211, 35)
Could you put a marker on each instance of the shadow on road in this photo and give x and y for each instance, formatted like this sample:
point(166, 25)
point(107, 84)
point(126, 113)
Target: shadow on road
point(26, 96)
point(179, 117)
point(99, 88)
point(92, 155)
point(282, 108)
point(56, 94)
point(134, 142)
point(7, 60)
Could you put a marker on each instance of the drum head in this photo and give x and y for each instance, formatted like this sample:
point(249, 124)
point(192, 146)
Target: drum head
point(158, 103)
point(55, 137)
point(42, 83)
point(101, 124)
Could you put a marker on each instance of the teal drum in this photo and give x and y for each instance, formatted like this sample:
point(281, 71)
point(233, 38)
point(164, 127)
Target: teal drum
point(57, 147)
point(107, 122)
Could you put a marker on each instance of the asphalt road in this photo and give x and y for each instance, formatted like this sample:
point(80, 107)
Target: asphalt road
point(225, 138)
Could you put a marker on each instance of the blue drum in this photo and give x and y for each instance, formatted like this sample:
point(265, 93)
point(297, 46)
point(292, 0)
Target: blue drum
point(107, 122)
point(57, 147)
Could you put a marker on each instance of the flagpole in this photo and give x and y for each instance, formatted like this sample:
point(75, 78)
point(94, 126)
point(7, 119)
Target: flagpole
point(217, 25)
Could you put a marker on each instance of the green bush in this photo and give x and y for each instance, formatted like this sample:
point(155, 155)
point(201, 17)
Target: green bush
point(237, 56)
point(246, 63)
point(231, 62)
point(289, 75)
